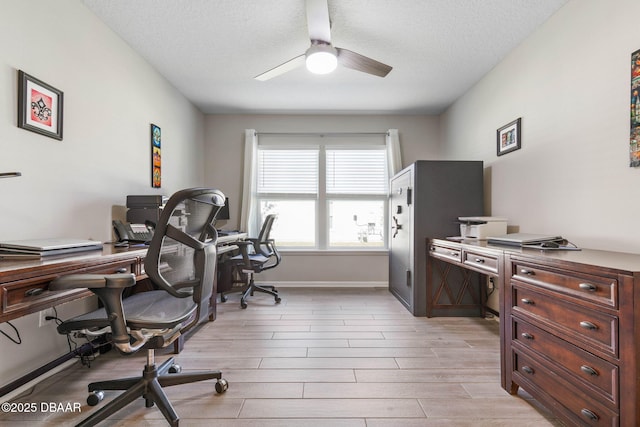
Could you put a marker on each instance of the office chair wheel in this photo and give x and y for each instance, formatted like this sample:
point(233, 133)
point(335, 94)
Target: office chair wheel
point(221, 385)
point(95, 397)
point(223, 298)
point(175, 369)
point(243, 304)
point(278, 299)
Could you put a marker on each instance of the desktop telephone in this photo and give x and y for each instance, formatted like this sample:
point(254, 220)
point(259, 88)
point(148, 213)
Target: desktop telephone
point(132, 233)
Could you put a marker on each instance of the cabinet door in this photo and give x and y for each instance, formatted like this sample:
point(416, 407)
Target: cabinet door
point(401, 238)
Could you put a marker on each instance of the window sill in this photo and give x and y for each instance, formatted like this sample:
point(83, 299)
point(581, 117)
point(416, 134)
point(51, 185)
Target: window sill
point(334, 252)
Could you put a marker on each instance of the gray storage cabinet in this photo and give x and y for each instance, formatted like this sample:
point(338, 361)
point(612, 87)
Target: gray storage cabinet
point(426, 199)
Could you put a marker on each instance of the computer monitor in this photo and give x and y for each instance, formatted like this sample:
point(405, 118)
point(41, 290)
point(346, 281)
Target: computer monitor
point(224, 212)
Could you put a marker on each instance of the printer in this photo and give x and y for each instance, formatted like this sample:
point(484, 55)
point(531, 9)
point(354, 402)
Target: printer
point(145, 208)
point(482, 227)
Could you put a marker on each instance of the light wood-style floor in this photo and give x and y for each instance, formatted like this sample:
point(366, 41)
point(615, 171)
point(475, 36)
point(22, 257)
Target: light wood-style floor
point(323, 357)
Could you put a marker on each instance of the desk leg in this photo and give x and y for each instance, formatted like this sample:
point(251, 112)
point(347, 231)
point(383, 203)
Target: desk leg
point(178, 344)
point(213, 305)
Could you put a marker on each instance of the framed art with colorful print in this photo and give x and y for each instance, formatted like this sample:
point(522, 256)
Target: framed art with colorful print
point(156, 156)
point(634, 137)
point(509, 137)
point(40, 106)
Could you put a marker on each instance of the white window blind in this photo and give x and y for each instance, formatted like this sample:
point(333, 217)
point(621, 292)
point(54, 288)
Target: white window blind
point(328, 191)
point(356, 171)
point(287, 171)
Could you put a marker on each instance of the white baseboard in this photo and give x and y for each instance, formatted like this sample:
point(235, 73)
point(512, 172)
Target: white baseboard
point(319, 284)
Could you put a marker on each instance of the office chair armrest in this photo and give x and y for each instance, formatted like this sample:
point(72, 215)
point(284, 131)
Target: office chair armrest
point(270, 244)
point(257, 245)
point(242, 245)
point(186, 288)
point(108, 288)
point(93, 281)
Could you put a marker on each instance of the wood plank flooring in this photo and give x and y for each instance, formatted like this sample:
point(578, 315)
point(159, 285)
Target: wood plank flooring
point(323, 357)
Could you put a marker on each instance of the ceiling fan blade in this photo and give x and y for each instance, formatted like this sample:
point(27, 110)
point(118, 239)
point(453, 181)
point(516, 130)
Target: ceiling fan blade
point(318, 20)
point(358, 62)
point(282, 68)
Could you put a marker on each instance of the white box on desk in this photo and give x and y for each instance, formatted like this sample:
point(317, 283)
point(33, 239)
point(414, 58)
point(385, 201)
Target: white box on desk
point(482, 227)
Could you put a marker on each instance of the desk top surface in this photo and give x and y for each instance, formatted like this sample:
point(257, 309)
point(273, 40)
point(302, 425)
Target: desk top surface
point(108, 253)
point(621, 261)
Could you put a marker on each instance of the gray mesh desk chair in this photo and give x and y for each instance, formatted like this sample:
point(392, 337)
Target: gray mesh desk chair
point(256, 255)
point(181, 263)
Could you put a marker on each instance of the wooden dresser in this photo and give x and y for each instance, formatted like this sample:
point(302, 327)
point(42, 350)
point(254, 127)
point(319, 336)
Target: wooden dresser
point(570, 328)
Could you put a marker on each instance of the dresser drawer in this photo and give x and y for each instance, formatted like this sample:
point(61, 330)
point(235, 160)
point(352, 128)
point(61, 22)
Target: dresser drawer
point(573, 322)
point(585, 369)
point(33, 294)
point(597, 289)
point(445, 252)
point(480, 261)
point(577, 405)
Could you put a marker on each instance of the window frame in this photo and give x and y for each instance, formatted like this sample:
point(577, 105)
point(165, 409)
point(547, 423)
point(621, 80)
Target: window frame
point(321, 198)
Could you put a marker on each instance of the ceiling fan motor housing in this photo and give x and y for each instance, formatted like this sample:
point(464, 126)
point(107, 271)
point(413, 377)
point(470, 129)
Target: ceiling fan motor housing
point(321, 57)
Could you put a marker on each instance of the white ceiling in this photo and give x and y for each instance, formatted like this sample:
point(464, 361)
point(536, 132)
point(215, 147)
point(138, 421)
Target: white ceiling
point(211, 50)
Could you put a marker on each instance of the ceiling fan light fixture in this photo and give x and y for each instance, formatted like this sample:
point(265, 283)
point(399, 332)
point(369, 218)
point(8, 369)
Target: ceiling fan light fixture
point(321, 58)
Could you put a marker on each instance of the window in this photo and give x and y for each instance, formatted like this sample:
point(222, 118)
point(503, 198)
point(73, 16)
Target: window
point(329, 193)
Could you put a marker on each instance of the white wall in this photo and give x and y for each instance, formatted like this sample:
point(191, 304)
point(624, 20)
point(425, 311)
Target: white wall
point(224, 153)
point(69, 187)
point(570, 83)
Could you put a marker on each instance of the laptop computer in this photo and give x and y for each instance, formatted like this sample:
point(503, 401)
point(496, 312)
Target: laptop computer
point(524, 239)
point(50, 246)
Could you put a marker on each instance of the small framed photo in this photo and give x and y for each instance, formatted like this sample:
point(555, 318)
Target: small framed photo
point(40, 106)
point(509, 138)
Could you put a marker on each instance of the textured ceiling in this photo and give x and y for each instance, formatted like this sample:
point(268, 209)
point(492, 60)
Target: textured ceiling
point(211, 49)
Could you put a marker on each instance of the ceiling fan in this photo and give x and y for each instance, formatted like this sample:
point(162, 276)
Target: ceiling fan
point(322, 57)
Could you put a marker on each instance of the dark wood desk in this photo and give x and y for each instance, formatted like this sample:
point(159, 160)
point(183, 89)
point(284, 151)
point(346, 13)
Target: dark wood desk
point(569, 326)
point(24, 284)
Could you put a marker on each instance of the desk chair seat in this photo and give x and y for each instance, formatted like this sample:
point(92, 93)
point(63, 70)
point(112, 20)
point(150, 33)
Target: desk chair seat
point(181, 263)
point(150, 310)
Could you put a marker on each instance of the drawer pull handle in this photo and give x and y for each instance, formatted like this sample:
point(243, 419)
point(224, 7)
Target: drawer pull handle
point(527, 272)
point(527, 370)
point(122, 270)
point(527, 336)
point(527, 301)
point(589, 370)
point(33, 292)
point(455, 254)
point(587, 287)
point(479, 260)
point(588, 325)
point(589, 414)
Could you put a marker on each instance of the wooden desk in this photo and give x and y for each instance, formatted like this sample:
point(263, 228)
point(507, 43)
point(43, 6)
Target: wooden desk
point(569, 323)
point(24, 283)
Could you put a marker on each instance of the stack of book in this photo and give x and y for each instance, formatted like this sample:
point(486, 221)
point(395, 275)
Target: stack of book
point(42, 248)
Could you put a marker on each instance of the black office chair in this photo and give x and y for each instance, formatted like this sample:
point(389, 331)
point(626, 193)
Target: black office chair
point(181, 263)
point(256, 255)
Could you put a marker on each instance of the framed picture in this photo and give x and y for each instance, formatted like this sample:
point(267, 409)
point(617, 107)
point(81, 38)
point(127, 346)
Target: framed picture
point(40, 106)
point(509, 138)
point(634, 138)
point(156, 156)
